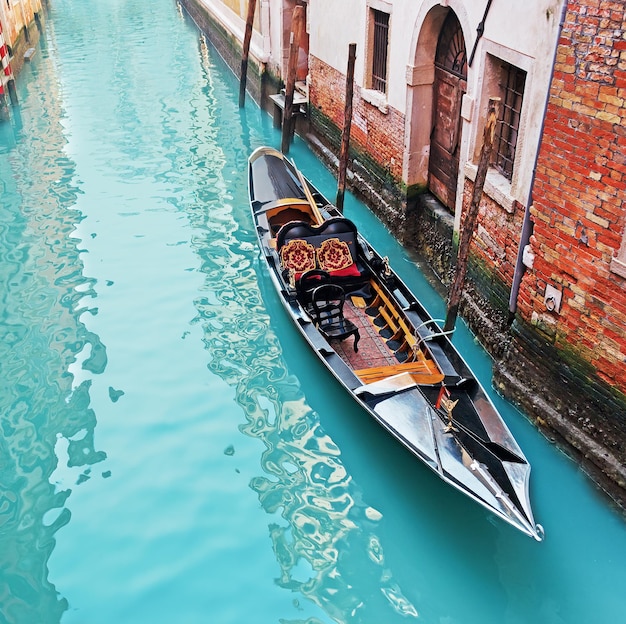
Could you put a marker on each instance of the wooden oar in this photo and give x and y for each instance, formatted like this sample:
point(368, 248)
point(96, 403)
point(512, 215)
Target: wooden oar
point(307, 192)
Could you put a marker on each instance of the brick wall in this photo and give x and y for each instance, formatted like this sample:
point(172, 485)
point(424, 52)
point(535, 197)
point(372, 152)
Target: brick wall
point(375, 136)
point(496, 238)
point(579, 209)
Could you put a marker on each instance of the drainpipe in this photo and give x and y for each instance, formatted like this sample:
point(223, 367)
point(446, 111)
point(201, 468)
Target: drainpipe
point(527, 226)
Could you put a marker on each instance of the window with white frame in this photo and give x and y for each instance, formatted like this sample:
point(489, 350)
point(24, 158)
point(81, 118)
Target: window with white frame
point(378, 36)
point(511, 82)
point(510, 76)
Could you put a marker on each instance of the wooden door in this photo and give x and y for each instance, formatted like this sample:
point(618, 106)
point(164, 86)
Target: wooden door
point(449, 86)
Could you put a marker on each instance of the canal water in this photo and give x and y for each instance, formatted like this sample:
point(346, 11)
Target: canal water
point(169, 449)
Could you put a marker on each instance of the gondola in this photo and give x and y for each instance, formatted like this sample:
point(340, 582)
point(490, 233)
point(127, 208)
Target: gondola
point(381, 344)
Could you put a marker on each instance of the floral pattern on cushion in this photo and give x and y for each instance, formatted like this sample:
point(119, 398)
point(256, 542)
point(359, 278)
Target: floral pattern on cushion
point(298, 256)
point(334, 256)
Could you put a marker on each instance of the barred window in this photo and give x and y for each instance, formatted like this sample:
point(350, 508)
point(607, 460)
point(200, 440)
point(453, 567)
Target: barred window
point(380, 41)
point(512, 84)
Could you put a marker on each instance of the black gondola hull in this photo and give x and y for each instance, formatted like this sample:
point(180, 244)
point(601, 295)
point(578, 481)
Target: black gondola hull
point(468, 445)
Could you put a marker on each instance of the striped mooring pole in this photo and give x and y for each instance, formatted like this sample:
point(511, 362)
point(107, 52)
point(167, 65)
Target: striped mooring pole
point(7, 80)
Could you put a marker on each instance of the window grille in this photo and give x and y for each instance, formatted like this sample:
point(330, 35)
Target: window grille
point(451, 54)
point(379, 53)
point(505, 143)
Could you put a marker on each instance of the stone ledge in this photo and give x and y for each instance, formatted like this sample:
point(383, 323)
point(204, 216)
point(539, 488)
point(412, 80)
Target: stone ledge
point(618, 266)
point(496, 186)
point(603, 467)
point(375, 98)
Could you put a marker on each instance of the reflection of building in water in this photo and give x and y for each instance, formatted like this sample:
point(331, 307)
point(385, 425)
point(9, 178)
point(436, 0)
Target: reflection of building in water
point(41, 338)
point(304, 478)
point(310, 487)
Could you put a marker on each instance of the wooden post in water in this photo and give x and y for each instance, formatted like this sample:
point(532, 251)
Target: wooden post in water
point(469, 223)
point(246, 50)
point(297, 27)
point(347, 122)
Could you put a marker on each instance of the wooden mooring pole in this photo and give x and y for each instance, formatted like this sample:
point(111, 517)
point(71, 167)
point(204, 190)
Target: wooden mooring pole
point(246, 51)
point(297, 28)
point(469, 222)
point(347, 123)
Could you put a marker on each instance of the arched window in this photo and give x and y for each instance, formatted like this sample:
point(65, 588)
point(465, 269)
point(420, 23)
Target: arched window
point(451, 54)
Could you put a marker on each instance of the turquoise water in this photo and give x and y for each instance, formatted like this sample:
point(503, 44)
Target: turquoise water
point(170, 451)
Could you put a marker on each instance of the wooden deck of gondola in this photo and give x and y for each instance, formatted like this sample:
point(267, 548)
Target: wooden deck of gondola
point(372, 348)
point(375, 358)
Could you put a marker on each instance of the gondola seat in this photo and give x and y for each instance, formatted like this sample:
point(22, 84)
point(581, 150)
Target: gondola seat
point(336, 249)
point(287, 216)
point(327, 303)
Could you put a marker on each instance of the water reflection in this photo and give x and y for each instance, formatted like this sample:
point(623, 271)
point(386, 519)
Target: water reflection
point(304, 480)
point(312, 478)
point(318, 515)
point(42, 402)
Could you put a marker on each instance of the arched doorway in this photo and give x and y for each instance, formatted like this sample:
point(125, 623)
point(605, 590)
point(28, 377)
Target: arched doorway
point(303, 53)
point(450, 83)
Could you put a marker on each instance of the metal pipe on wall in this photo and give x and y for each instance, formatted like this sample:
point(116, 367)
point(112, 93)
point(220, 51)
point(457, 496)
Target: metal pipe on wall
point(527, 226)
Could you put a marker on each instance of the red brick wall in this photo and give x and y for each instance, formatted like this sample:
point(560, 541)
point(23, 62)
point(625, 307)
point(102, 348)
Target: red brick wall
point(579, 209)
point(380, 135)
point(496, 239)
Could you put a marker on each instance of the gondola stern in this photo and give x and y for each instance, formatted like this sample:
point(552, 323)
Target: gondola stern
point(516, 509)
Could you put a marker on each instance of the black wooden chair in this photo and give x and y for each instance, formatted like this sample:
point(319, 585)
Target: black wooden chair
point(308, 282)
point(327, 309)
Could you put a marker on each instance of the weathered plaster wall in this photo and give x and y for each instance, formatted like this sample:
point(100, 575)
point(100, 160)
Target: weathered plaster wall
point(20, 30)
point(375, 134)
point(17, 19)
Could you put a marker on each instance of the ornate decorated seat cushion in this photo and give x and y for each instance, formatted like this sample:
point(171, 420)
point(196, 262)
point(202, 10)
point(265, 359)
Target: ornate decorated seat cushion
point(334, 256)
point(298, 256)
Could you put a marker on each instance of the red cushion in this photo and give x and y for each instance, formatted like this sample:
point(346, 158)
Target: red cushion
point(350, 271)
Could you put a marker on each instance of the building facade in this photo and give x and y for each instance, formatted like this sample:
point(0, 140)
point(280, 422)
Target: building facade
point(18, 32)
point(18, 19)
point(571, 309)
point(547, 274)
